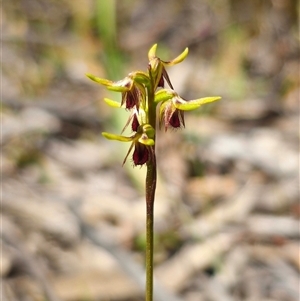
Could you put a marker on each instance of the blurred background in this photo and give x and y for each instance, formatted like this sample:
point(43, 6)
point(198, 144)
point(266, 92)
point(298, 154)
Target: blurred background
point(227, 210)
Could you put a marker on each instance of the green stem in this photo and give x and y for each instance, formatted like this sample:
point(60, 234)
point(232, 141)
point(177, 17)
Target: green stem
point(149, 258)
point(150, 196)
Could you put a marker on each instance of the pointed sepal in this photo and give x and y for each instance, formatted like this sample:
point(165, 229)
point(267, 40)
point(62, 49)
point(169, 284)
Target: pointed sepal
point(112, 103)
point(99, 80)
point(152, 52)
point(193, 104)
point(117, 137)
point(178, 59)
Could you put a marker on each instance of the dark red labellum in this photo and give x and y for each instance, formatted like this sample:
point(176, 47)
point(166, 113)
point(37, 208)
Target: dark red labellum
point(175, 121)
point(140, 154)
point(130, 100)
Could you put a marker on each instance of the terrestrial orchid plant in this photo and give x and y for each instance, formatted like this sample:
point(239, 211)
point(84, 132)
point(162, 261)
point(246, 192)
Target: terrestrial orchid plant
point(147, 99)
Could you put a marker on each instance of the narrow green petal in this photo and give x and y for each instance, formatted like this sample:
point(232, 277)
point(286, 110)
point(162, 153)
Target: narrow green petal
point(99, 80)
point(123, 85)
point(204, 100)
point(152, 52)
point(116, 88)
point(194, 104)
point(116, 137)
point(187, 106)
point(112, 103)
point(179, 58)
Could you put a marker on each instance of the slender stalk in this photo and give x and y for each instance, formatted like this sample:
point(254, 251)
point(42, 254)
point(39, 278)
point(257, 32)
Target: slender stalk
point(149, 257)
point(150, 196)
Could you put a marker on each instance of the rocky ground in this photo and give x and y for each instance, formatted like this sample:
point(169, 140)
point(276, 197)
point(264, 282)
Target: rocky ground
point(227, 206)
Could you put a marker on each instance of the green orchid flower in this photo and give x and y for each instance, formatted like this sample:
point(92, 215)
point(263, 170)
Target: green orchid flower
point(141, 141)
point(157, 66)
point(171, 112)
point(132, 88)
